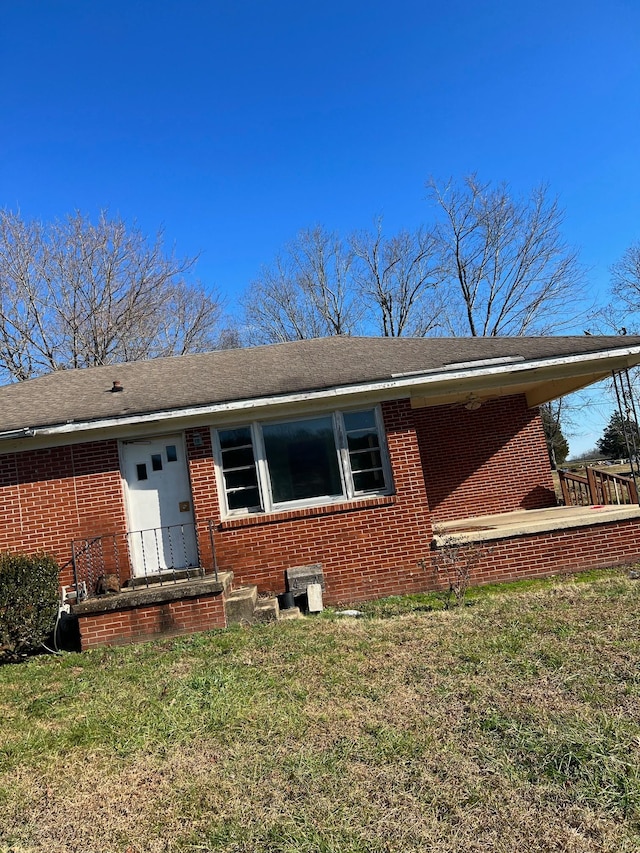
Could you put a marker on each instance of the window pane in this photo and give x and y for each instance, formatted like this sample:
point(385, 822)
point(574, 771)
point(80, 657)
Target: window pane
point(365, 455)
point(360, 420)
point(367, 481)
point(239, 437)
point(142, 471)
point(237, 458)
point(365, 459)
point(172, 453)
point(362, 440)
point(239, 469)
point(240, 478)
point(243, 499)
point(302, 459)
point(156, 462)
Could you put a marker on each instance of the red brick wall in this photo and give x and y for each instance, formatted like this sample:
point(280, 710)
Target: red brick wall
point(49, 497)
point(367, 549)
point(203, 488)
point(472, 463)
point(491, 460)
point(557, 552)
point(154, 620)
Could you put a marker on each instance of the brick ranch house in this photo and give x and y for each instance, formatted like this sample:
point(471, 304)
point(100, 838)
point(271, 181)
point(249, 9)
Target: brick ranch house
point(163, 487)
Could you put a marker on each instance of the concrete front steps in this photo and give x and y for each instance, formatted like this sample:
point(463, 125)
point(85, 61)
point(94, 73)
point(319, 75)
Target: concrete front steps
point(243, 607)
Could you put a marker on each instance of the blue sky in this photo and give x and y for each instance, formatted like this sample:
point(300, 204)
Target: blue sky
point(236, 124)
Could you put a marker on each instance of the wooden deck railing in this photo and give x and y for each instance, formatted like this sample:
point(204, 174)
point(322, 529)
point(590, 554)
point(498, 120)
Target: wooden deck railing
point(575, 489)
point(598, 487)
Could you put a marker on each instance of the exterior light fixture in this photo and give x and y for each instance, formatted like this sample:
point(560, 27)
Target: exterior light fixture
point(473, 403)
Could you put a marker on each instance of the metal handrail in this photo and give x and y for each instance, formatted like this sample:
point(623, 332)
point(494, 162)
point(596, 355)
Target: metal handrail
point(160, 555)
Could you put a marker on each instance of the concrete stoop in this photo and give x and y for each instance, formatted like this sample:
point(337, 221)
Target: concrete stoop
point(243, 607)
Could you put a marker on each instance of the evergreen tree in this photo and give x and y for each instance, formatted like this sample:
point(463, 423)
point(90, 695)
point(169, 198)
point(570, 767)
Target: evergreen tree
point(613, 444)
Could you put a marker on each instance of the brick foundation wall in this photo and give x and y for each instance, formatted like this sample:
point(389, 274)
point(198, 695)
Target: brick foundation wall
point(151, 621)
point(491, 460)
point(557, 552)
point(49, 497)
point(528, 556)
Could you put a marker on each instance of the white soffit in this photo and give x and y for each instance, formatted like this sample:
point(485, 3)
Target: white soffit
point(541, 380)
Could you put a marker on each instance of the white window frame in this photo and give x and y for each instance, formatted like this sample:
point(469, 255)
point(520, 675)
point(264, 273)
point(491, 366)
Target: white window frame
point(349, 492)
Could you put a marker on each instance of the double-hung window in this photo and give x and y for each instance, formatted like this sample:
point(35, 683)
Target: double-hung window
point(323, 459)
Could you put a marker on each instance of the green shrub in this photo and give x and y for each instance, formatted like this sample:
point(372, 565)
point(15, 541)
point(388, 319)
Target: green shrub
point(28, 602)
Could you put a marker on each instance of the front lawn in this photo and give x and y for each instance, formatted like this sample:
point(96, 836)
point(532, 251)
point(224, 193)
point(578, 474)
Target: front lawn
point(511, 724)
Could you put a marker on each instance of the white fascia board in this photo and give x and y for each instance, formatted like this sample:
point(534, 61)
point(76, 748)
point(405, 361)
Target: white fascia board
point(401, 386)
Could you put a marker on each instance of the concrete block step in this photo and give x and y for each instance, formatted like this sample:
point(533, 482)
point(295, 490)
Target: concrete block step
point(243, 607)
point(267, 610)
point(290, 613)
point(240, 604)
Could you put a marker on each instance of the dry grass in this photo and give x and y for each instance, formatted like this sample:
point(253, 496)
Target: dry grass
point(579, 468)
point(513, 724)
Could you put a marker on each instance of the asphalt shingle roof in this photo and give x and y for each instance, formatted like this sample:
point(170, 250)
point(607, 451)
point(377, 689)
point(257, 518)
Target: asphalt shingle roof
point(243, 374)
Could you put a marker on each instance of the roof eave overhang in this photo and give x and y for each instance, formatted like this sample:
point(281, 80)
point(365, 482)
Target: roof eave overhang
point(540, 383)
point(540, 380)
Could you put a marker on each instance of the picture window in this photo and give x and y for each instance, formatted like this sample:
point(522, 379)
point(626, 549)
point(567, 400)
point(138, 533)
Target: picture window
point(323, 459)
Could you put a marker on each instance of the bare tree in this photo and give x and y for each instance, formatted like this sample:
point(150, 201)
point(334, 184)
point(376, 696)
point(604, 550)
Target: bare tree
point(306, 293)
point(491, 265)
point(78, 294)
point(364, 284)
point(505, 267)
point(625, 280)
point(397, 279)
point(553, 414)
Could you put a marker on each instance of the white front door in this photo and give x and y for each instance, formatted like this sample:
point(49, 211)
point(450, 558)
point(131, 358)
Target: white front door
point(161, 530)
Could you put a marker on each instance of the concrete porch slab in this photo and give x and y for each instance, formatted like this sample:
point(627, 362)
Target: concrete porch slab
point(155, 594)
point(484, 528)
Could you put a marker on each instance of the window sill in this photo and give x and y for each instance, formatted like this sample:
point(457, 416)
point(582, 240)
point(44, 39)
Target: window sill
point(307, 512)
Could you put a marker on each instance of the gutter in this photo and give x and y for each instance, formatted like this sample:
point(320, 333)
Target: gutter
point(402, 384)
point(25, 432)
